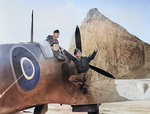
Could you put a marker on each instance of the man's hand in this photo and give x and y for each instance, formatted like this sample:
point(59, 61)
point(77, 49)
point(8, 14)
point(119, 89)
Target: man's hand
point(96, 48)
point(61, 48)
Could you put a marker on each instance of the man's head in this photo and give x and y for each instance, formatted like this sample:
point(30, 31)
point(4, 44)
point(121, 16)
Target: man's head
point(77, 53)
point(56, 33)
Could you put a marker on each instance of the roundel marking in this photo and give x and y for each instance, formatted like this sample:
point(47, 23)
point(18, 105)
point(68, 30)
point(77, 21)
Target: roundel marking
point(26, 68)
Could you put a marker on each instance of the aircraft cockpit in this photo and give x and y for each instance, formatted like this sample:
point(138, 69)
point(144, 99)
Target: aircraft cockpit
point(48, 52)
point(46, 49)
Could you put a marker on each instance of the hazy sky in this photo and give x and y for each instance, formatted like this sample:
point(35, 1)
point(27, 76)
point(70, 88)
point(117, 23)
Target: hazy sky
point(15, 18)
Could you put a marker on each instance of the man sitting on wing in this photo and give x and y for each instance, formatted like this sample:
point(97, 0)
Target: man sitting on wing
point(82, 65)
point(55, 45)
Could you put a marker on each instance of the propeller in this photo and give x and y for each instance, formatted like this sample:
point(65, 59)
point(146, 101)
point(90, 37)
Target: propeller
point(102, 72)
point(78, 39)
point(79, 46)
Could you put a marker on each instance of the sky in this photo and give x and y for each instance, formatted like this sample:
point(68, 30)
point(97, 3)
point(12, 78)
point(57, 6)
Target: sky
point(15, 18)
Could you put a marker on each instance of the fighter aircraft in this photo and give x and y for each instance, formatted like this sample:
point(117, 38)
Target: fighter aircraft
point(31, 76)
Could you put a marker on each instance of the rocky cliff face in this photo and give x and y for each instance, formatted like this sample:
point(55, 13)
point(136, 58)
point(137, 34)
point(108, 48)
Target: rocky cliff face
point(120, 53)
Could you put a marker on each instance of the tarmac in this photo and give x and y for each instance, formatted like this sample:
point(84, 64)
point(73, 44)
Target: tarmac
point(128, 107)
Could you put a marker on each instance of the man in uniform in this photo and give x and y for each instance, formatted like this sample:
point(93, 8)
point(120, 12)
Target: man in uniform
point(82, 80)
point(52, 39)
point(55, 45)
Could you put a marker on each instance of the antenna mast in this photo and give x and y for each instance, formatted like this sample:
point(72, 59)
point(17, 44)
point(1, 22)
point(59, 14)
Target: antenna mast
point(32, 28)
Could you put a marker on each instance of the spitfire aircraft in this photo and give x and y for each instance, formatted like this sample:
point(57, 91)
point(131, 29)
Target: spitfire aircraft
point(31, 76)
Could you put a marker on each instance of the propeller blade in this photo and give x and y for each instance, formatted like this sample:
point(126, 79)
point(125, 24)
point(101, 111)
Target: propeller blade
point(79, 46)
point(102, 72)
point(78, 38)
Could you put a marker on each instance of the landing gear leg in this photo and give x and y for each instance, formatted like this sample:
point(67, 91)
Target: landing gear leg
point(96, 112)
point(90, 109)
point(41, 109)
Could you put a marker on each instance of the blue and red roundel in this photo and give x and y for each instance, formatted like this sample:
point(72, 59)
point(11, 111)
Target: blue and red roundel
point(26, 68)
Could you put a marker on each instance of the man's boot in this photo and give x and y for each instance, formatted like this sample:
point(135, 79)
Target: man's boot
point(80, 86)
point(85, 89)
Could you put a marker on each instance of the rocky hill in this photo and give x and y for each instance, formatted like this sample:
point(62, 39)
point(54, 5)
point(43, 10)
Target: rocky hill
point(120, 53)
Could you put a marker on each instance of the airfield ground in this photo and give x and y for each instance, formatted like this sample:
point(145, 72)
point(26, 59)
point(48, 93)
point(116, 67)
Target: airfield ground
point(129, 107)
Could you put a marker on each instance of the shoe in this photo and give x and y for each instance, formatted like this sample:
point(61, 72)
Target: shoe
point(85, 91)
point(80, 86)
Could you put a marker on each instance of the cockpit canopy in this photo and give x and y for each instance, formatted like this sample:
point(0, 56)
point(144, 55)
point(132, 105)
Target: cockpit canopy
point(46, 49)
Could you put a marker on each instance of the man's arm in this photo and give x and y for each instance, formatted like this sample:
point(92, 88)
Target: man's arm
point(92, 56)
point(50, 39)
point(69, 55)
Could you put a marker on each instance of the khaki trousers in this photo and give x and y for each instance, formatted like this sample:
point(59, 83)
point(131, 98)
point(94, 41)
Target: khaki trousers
point(83, 78)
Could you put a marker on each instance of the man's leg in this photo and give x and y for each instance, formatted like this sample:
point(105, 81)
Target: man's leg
point(58, 56)
point(87, 82)
point(87, 78)
point(76, 80)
